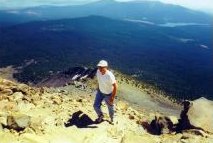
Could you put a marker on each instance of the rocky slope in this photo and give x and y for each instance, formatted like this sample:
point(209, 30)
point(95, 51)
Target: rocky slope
point(49, 115)
point(130, 90)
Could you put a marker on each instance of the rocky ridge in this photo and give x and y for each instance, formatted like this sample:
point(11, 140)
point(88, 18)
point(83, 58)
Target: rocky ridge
point(48, 115)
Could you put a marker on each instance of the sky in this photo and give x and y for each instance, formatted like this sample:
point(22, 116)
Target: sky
point(203, 5)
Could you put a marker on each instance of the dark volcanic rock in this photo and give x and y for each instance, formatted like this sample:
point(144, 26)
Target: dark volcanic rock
point(162, 125)
point(68, 76)
point(159, 125)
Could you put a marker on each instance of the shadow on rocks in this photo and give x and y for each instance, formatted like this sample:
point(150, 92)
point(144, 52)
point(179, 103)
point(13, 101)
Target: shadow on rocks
point(80, 120)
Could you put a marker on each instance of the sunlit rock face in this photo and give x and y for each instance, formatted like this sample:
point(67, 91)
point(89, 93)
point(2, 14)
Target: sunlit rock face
point(200, 114)
point(197, 114)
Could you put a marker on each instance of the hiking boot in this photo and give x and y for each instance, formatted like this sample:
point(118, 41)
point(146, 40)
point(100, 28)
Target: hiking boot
point(111, 122)
point(99, 119)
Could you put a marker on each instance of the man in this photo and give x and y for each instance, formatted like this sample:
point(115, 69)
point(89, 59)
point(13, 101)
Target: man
point(106, 91)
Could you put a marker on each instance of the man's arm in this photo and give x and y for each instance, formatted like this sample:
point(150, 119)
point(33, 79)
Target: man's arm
point(114, 91)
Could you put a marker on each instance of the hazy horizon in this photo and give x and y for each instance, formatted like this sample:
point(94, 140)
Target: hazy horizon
point(201, 5)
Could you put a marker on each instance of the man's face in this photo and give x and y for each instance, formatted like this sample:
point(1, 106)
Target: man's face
point(102, 69)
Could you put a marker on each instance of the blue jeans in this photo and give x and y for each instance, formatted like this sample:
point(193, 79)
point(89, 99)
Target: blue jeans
point(97, 104)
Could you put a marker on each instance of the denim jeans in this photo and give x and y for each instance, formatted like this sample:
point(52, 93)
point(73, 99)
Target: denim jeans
point(97, 104)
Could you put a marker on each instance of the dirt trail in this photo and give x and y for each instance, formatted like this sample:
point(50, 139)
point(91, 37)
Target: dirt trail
point(143, 100)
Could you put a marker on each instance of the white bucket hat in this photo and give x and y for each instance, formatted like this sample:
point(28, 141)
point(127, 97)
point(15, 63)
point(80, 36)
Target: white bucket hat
point(102, 63)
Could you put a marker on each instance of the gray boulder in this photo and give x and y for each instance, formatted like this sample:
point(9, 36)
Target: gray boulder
point(18, 122)
point(200, 114)
point(197, 114)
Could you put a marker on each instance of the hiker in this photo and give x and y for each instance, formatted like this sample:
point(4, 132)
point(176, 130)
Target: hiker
point(106, 91)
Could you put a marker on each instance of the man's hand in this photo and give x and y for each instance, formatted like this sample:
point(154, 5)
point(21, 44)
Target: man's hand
point(111, 100)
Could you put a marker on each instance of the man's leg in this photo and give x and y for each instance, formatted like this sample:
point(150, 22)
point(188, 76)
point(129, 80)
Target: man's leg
point(97, 104)
point(110, 108)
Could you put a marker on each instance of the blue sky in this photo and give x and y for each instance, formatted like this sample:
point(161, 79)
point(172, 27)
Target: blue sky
point(204, 5)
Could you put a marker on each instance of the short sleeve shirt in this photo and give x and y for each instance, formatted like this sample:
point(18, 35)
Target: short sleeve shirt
point(105, 81)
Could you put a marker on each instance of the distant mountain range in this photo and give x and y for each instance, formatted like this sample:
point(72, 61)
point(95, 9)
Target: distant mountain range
point(177, 60)
point(150, 11)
